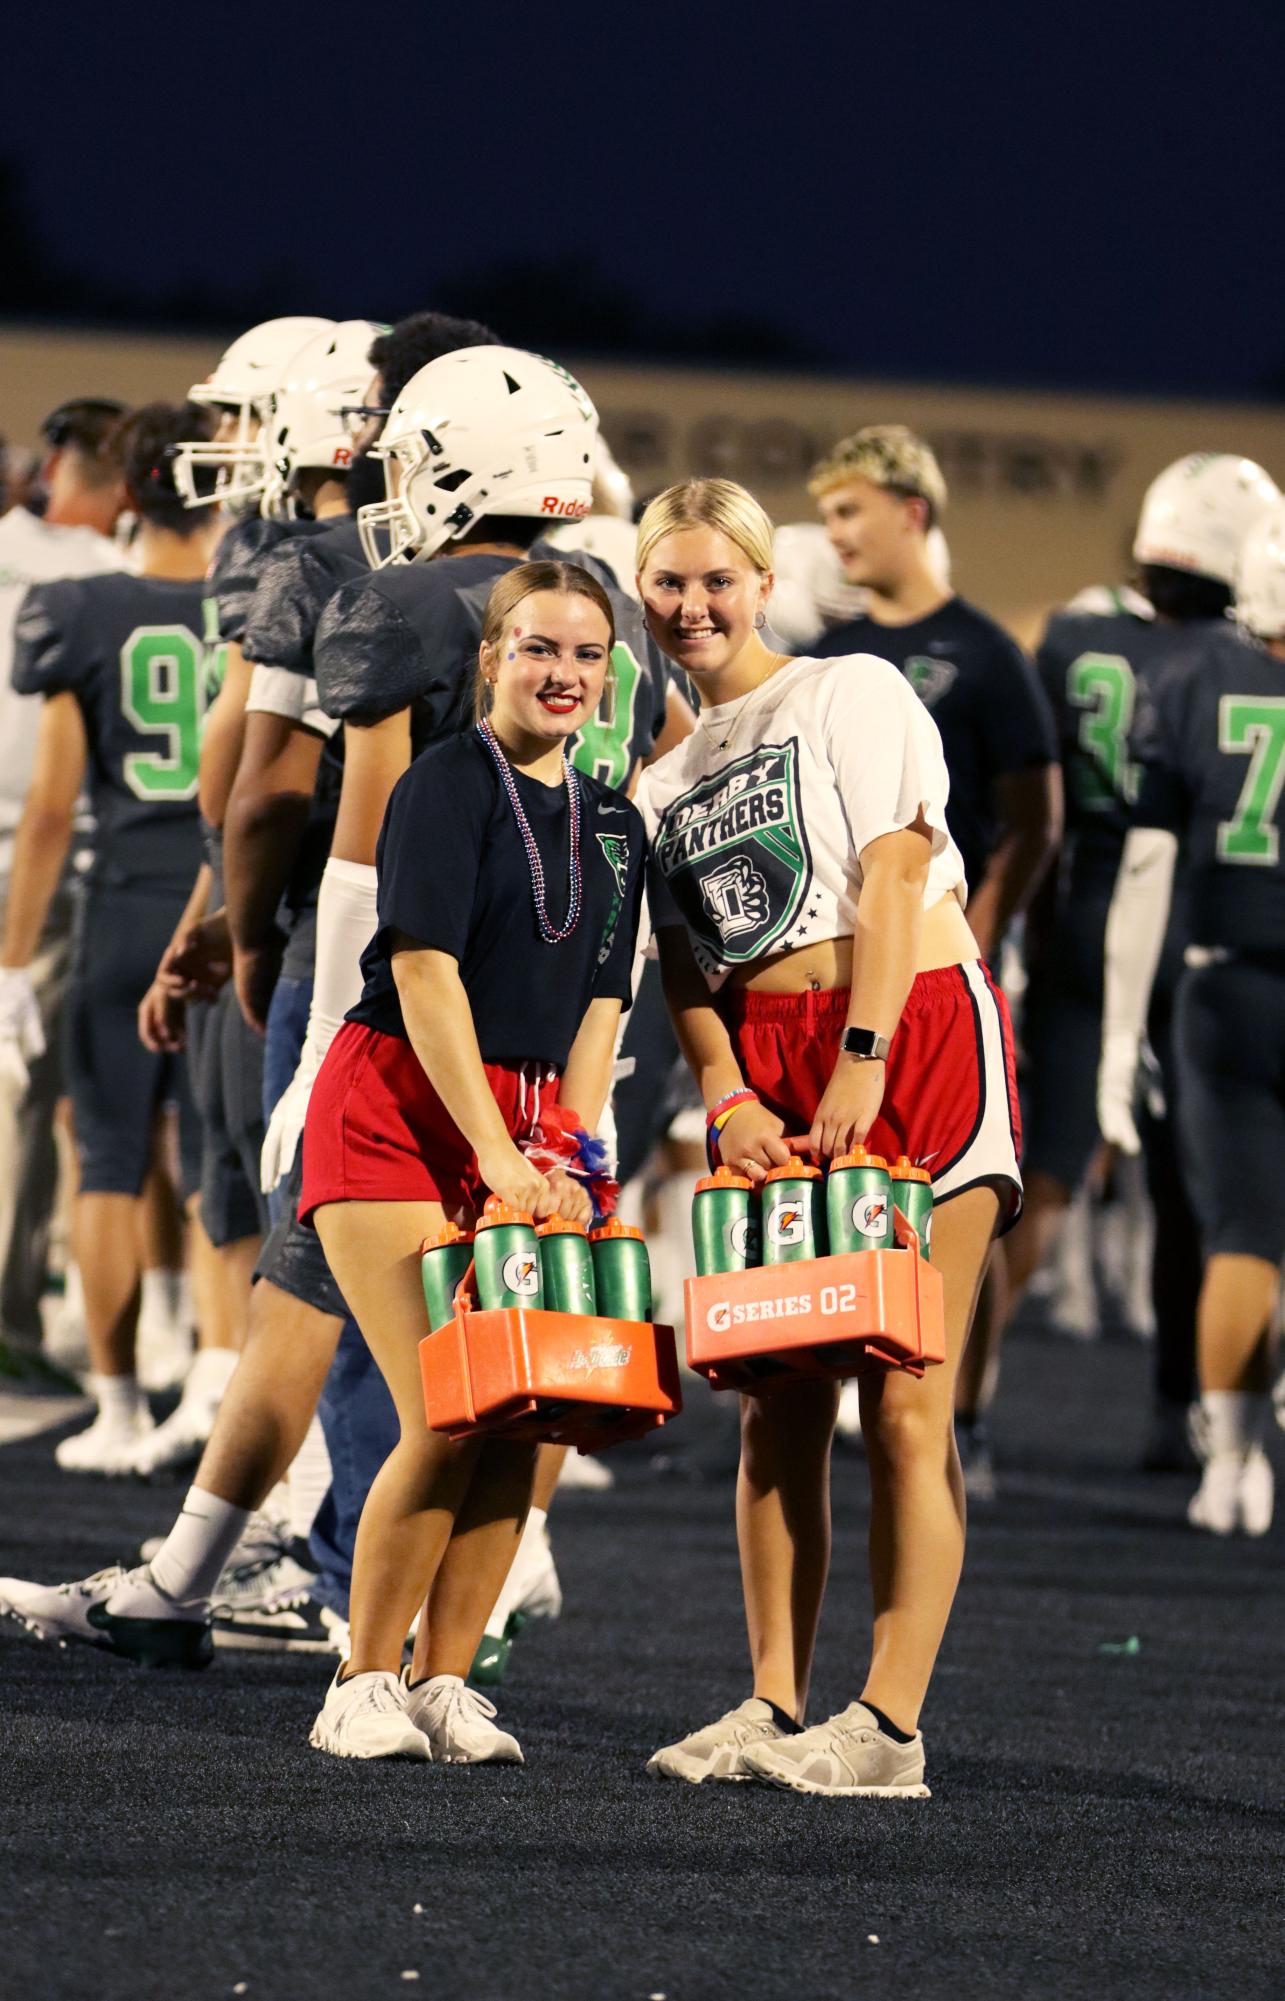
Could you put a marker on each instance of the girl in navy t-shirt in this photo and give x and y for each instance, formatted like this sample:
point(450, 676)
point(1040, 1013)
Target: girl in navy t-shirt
point(509, 890)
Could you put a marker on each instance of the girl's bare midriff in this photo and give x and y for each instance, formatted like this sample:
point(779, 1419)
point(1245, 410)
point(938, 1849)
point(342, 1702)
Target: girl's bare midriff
point(946, 940)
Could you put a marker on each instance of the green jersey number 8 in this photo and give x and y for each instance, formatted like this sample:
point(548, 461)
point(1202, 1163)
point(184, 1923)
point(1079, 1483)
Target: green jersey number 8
point(160, 693)
point(602, 746)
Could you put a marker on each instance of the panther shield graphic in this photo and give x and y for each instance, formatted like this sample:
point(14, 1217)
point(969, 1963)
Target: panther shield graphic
point(734, 853)
point(930, 679)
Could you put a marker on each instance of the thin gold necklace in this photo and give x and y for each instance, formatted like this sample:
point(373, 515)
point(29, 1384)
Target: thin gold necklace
point(779, 660)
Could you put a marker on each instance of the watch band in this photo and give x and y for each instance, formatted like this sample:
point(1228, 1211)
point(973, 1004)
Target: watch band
point(863, 1042)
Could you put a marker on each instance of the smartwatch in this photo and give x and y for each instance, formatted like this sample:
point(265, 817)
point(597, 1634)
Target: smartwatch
point(864, 1043)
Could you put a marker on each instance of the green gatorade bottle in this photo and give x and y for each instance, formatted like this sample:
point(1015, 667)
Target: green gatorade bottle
point(912, 1191)
point(443, 1261)
point(858, 1203)
point(506, 1257)
point(724, 1223)
point(566, 1266)
point(793, 1213)
point(621, 1271)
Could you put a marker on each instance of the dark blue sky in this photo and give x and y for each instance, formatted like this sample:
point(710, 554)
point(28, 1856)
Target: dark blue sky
point(1001, 195)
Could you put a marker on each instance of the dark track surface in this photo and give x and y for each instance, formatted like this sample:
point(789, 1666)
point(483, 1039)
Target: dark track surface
point(1102, 1823)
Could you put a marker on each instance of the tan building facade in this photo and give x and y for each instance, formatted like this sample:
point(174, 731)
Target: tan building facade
point(1044, 488)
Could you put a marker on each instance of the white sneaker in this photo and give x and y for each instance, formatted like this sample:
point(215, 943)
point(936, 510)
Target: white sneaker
point(848, 1422)
point(366, 1717)
point(457, 1722)
point(1256, 1493)
point(109, 1445)
point(580, 1470)
point(850, 1756)
point(1215, 1505)
point(59, 1611)
point(182, 1438)
point(716, 1751)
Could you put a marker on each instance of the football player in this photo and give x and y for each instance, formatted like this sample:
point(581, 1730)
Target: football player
point(1097, 661)
point(83, 495)
point(117, 659)
point(1210, 747)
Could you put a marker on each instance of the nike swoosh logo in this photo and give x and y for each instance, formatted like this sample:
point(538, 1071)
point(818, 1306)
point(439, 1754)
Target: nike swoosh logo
point(602, 808)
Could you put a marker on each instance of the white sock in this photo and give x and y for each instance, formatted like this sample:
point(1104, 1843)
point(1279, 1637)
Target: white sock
point(308, 1480)
point(118, 1397)
point(211, 1371)
point(189, 1561)
point(1235, 1420)
point(156, 1300)
point(499, 1619)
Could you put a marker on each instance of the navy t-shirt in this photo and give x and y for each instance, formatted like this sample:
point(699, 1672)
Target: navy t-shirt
point(454, 876)
point(984, 699)
point(1210, 741)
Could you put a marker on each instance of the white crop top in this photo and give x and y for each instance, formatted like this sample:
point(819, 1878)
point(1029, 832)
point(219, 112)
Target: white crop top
point(758, 820)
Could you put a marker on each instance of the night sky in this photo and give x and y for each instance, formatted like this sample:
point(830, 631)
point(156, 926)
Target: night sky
point(992, 195)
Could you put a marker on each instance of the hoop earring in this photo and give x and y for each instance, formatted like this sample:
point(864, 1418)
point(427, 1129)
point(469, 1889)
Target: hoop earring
point(760, 621)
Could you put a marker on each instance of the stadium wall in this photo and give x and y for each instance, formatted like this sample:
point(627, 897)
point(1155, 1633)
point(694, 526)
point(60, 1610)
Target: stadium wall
point(1044, 488)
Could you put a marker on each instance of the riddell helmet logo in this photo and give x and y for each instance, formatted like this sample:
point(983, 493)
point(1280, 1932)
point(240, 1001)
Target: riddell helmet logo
point(566, 510)
point(785, 1224)
point(342, 456)
point(521, 1274)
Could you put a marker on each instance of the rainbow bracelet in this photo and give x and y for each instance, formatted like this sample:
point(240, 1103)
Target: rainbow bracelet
point(718, 1115)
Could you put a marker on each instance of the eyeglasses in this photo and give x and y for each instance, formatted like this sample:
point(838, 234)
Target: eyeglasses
point(355, 416)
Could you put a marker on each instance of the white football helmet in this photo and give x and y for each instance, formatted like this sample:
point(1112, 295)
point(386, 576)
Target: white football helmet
point(1260, 581)
point(304, 425)
point(484, 430)
point(244, 379)
point(1197, 513)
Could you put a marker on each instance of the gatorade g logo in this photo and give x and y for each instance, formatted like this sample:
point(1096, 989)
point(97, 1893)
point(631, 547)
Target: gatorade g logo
point(738, 1237)
point(927, 1232)
point(719, 1317)
point(521, 1274)
point(734, 853)
point(870, 1215)
point(785, 1222)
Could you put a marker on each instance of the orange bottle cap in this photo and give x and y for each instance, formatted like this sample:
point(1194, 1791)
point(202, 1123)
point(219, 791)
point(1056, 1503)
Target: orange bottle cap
point(858, 1158)
point(609, 1232)
point(450, 1233)
point(497, 1212)
point(904, 1169)
point(558, 1226)
point(793, 1169)
point(723, 1177)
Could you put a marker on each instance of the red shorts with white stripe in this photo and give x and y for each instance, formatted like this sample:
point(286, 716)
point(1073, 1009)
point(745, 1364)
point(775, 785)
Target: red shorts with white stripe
point(950, 1085)
point(377, 1131)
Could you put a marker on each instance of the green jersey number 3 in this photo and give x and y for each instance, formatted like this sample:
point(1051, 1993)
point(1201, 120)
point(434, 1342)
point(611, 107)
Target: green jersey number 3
point(1101, 685)
point(160, 693)
point(1253, 727)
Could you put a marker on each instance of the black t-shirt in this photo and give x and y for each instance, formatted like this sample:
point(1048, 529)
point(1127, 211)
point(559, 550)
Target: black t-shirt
point(454, 876)
point(1095, 669)
point(128, 649)
point(296, 579)
point(407, 637)
point(984, 699)
point(1210, 740)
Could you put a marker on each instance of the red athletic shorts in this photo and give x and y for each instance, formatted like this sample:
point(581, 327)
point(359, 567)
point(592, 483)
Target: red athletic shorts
point(950, 1089)
point(378, 1132)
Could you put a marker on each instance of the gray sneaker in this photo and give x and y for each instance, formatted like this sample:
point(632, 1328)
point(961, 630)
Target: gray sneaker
point(717, 1751)
point(849, 1756)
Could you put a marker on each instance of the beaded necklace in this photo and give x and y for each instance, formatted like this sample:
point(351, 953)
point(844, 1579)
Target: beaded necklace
point(551, 934)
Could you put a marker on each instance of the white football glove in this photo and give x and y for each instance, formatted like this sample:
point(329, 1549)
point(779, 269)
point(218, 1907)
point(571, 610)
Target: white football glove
point(22, 1034)
point(281, 1140)
point(1117, 1082)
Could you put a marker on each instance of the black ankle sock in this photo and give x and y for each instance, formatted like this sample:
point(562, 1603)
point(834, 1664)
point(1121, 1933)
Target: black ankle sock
point(887, 1725)
point(783, 1720)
